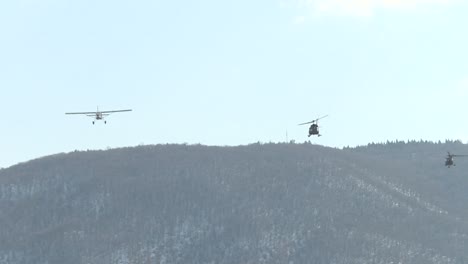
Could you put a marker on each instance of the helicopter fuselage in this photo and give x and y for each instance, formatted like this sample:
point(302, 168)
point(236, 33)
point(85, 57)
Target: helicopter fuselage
point(449, 162)
point(313, 130)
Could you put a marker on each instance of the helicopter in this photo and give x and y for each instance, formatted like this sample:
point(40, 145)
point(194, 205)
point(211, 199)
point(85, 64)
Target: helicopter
point(313, 129)
point(449, 159)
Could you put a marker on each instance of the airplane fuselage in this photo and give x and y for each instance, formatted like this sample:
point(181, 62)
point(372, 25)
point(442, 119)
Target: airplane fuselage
point(99, 116)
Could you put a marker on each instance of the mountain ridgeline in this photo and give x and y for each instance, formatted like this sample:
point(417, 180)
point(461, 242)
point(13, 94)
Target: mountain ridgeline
point(261, 203)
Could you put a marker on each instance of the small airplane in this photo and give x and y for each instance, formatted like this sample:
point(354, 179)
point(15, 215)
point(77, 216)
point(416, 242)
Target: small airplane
point(313, 129)
point(449, 159)
point(98, 115)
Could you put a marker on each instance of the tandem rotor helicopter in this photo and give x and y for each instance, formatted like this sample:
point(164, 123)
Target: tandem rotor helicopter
point(449, 159)
point(314, 128)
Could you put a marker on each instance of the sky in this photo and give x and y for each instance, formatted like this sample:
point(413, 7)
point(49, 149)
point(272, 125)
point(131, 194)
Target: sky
point(229, 72)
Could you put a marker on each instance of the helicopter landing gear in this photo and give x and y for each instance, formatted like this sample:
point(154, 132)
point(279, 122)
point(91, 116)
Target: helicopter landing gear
point(93, 122)
point(105, 122)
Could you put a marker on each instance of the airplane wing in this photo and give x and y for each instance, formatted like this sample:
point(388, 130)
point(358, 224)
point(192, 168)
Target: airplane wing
point(94, 113)
point(115, 111)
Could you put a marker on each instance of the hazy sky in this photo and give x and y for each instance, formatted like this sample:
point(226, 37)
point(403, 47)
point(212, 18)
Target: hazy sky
point(230, 72)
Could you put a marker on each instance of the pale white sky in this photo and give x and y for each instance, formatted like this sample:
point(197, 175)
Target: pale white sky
point(229, 73)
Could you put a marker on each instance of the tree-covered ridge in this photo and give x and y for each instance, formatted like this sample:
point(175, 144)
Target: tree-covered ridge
point(261, 203)
point(410, 146)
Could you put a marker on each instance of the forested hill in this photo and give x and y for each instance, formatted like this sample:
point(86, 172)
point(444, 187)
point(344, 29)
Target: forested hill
point(261, 203)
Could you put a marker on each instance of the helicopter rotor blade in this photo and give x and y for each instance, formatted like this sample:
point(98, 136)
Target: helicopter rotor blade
point(320, 118)
point(311, 122)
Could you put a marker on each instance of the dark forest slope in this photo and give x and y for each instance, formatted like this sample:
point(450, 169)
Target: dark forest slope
point(273, 203)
